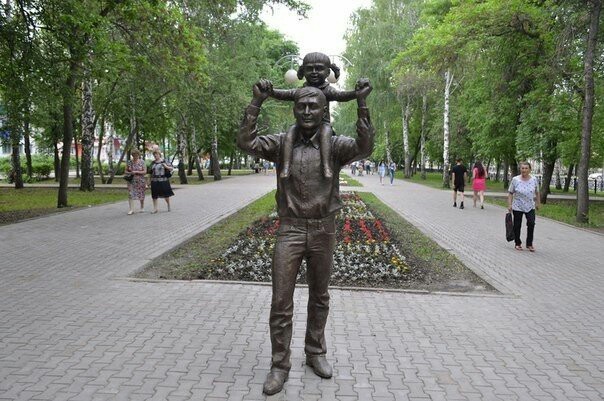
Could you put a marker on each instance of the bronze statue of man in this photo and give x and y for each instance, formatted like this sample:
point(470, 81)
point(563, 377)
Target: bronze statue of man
point(307, 202)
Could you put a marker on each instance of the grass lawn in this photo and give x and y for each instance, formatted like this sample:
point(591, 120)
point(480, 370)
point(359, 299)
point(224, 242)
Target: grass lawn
point(349, 180)
point(25, 203)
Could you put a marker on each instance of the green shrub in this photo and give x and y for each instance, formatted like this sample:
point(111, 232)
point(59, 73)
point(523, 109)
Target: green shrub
point(119, 171)
point(5, 166)
point(41, 166)
point(41, 169)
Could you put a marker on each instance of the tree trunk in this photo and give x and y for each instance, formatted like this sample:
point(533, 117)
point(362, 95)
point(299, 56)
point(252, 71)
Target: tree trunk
point(26, 130)
point(231, 156)
point(548, 171)
point(182, 146)
point(388, 153)
point(214, 153)
point(513, 166)
point(198, 166)
point(190, 163)
point(423, 137)
point(406, 115)
point(497, 170)
point(110, 152)
point(128, 145)
point(588, 110)
point(98, 153)
point(57, 162)
point(558, 180)
point(16, 159)
point(77, 157)
point(200, 176)
point(446, 132)
point(87, 182)
point(69, 90)
point(506, 180)
point(569, 177)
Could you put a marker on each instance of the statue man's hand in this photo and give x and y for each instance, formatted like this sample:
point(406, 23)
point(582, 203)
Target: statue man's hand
point(363, 88)
point(262, 89)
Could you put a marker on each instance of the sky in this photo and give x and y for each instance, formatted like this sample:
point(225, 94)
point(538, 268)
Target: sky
point(323, 31)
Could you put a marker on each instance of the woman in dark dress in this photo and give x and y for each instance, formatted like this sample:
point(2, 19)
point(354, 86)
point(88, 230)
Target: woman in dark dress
point(160, 185)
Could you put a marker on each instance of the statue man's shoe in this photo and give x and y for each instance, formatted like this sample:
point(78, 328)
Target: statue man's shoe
point(319, 365)
point(274, 381)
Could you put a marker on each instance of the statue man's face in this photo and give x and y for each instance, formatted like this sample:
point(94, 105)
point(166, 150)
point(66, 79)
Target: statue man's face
point(309, 111)
point(315, 73)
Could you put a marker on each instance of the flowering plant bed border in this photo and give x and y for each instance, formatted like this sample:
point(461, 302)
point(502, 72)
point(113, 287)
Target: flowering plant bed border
point(376, 248)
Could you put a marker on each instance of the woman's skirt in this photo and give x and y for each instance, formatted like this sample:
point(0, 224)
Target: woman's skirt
point(161, 189)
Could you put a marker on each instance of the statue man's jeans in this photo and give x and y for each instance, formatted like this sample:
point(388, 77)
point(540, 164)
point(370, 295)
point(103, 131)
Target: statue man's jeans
point(313, 239)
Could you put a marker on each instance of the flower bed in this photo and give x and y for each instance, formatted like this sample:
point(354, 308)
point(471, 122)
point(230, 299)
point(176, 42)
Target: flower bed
point(366, 252)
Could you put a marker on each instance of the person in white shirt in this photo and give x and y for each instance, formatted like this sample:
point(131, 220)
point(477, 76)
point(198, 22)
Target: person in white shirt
point(523, 199)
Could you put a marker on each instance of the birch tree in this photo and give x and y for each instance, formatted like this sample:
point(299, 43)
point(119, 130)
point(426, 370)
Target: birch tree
point(595, 7)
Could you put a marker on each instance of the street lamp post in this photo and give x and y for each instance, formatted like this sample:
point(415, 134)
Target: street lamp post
point(291, 75)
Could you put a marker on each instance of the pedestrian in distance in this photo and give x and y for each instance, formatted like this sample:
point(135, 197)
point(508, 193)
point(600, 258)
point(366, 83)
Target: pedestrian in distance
point(459, 174)
point(382, 171)
point(391, 170)
point(523, 200)
point(160, 184)
point(136, 187)
point(479, 183)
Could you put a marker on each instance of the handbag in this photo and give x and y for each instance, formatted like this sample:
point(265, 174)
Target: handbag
point(128, 177)
point(168, 173)
point(509, 227)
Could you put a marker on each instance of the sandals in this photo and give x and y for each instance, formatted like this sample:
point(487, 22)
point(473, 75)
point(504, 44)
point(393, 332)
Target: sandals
point(530, 248)
point(518, 247)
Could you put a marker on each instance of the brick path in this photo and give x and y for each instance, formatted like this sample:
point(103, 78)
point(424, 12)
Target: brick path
point(69, 330)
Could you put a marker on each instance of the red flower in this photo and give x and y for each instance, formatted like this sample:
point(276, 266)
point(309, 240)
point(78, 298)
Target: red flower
point(365, 230)
point(382, 230)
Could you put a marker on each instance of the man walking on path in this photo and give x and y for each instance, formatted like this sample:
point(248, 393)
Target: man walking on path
point(459, 174)
point(307, 202)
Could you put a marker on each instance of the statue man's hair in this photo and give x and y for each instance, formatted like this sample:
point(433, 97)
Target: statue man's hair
point(309, 91)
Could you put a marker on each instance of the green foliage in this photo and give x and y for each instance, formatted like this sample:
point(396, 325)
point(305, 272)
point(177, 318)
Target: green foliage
point(42, 166)
point(517, 64)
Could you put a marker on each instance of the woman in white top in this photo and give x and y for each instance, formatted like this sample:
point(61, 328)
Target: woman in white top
point(382, 171)
point(523, 199)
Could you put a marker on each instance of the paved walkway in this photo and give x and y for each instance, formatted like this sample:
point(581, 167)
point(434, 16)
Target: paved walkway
point(70, 329)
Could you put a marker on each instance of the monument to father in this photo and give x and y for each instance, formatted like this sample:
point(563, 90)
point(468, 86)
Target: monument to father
point(307, 201)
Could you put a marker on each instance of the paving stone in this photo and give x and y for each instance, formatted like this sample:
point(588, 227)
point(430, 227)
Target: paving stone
point(70, 331)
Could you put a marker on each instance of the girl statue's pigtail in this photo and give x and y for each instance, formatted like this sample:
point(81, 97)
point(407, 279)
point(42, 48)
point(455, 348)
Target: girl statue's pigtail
point(336, 70)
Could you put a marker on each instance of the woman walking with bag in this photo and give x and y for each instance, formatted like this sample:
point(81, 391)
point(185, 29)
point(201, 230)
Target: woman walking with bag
point(135, 168)
point(523, 199)
point(160, 184)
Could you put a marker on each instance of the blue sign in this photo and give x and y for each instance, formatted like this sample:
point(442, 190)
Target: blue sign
point(5, 134)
